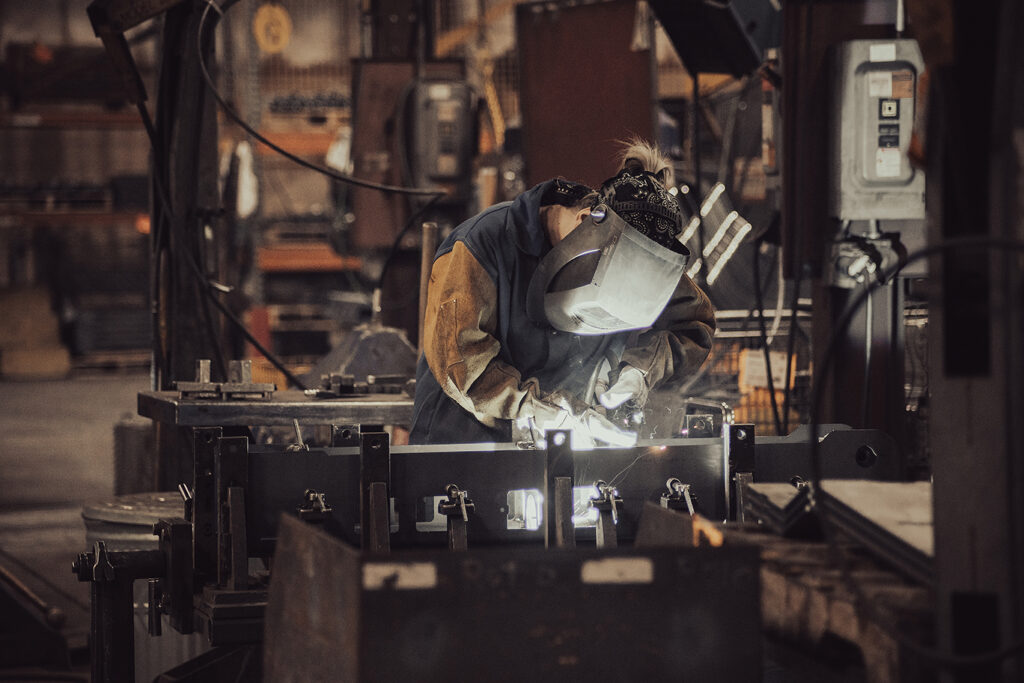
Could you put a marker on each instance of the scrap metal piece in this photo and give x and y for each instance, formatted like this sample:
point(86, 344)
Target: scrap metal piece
point(54, 615)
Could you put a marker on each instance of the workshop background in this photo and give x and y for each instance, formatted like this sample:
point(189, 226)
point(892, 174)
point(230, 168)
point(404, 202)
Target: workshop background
point(146, 224)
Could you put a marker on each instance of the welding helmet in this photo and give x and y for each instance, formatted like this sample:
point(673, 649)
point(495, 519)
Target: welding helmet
point(606, 275)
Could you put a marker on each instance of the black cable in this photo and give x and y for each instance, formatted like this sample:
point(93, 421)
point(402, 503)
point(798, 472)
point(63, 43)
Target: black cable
point(209, 290)
point(862, 601)
point(397, 244)
point(798, 260)
point(330, 173)
point(759, 300)
point(204, 284)
point(211, 331)
point(869, 332)
point(791, 346)
point(695, 144)
point(158, 358)
point(197, 248)
point(46, 676)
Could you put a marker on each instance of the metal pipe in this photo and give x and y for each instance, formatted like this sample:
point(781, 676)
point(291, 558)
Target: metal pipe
point(728, 416)
point(54, 615)
point(428, 246)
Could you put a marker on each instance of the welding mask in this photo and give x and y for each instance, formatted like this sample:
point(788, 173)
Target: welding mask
point(605, 276)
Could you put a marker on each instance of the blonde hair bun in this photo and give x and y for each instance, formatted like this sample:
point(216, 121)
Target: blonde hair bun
point(639, 155)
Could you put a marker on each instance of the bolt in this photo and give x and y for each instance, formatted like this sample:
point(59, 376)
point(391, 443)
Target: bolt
point(866, 456)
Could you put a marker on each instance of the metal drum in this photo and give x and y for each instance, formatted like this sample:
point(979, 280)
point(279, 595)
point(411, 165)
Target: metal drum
point(126, 523)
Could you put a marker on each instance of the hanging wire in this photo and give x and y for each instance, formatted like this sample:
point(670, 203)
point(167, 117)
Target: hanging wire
point(208, 288)
point(329, 172)
point(867, 605)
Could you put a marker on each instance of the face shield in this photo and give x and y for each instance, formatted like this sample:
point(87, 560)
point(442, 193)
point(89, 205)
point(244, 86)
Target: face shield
point(603, 277)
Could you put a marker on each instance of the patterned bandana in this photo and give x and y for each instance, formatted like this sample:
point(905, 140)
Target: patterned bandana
point(564, 193)
point(643, 202)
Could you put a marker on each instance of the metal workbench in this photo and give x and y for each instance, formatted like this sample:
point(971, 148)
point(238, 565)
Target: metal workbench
point(280, 409)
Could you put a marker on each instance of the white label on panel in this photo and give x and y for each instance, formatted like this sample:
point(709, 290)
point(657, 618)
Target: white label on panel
point(882, 52)
point(888, 162)
point(618, 570)
point(399, 575)
point(880, 84)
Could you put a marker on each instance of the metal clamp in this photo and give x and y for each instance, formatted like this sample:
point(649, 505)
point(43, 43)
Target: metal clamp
point(456, 509)
point(607, 505)
point(678, 496)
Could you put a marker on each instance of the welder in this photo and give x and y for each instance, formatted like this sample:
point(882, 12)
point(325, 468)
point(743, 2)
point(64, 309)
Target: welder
point(550, 310)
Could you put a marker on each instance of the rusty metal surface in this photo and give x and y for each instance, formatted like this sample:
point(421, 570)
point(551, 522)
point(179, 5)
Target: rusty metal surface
point(510, 614)
point(281, 409)
point(571, 118)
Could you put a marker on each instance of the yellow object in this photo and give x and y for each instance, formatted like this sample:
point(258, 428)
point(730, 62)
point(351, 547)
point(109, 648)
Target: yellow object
point(711, 534)
point(272, 27)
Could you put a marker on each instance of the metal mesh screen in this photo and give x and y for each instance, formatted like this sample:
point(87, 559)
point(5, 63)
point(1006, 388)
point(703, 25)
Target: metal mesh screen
point(735, 371)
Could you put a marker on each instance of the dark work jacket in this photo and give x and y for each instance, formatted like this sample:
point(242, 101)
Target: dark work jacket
point(508, 240)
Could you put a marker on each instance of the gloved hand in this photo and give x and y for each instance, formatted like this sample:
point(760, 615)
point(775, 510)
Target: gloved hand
point(631, 385)
point(561, 411)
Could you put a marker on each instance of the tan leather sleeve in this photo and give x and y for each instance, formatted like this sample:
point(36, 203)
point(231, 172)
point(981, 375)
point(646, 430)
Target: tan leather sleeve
point(459, 343)
point(680, 339)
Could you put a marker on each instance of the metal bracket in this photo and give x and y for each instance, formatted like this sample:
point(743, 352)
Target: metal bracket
point(743, 480)
point(559, 531)
point(112, 635)
point(738, 454)
point(345, 435)
point(231, 477)
point(176, 587)
point(375, 480)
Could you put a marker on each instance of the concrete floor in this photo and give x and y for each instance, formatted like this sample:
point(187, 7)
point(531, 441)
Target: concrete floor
point(56, 454)
point(57, 439)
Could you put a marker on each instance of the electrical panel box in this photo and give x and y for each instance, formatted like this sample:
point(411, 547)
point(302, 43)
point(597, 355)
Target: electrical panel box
point(872, 116)
point(442, 135)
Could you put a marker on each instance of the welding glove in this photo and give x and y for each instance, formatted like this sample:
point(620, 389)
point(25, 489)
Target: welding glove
point(559, 410)
point(631, 385)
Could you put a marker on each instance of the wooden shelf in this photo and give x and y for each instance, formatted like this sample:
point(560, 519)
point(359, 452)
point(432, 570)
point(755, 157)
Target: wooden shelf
point(303, 257)
point(58, 117)
point(302, 143)
point(80, 219)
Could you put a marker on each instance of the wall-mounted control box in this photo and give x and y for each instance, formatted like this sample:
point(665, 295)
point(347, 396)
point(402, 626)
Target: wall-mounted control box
point(874, 89)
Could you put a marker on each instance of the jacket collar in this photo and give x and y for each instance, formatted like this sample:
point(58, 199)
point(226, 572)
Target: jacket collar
point(523, 222)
